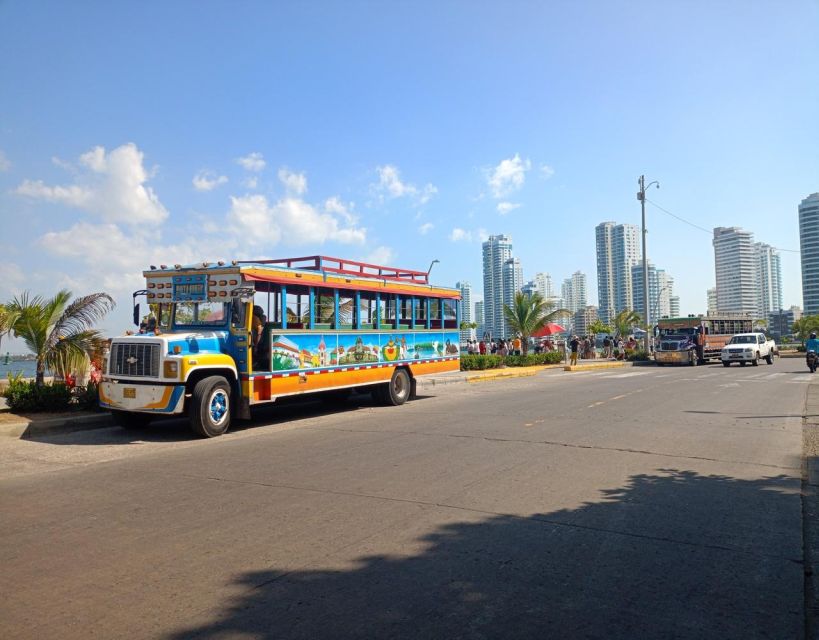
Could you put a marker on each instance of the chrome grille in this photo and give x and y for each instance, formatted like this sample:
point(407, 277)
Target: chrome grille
point(668, 346)
point(135, 359)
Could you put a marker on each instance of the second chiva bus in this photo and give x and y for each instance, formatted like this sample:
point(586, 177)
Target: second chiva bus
point(224, 337)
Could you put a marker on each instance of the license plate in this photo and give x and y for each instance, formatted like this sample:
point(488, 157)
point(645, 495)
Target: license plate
point(737, 356)
point(129, 392)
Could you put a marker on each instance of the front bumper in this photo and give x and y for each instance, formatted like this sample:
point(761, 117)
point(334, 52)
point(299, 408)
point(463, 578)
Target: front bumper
point(147, 398)
point(737, 356)
point(672, 357)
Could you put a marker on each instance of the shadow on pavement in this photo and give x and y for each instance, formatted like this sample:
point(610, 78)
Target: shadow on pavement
point(670, 555)
point(177, 429)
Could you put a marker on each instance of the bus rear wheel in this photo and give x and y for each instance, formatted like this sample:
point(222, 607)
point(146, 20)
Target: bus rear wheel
point(397, 391)
point(210, 407)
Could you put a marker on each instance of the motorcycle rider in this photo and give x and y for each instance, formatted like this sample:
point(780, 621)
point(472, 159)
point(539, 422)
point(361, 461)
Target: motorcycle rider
point(812, 349)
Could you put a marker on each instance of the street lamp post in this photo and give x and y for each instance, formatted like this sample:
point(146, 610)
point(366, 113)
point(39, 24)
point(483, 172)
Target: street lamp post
point(641, 196)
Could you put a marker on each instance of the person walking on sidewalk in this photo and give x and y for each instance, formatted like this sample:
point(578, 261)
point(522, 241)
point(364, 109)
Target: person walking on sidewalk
point(574, 344)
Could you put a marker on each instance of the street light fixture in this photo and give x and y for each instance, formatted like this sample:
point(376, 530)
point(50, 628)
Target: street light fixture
point(431, 264)
point(641, 196)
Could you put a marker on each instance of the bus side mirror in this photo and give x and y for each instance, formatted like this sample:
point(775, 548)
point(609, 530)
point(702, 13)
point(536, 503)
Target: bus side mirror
point(136, 314)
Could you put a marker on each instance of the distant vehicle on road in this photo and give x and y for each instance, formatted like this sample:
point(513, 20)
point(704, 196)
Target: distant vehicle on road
point(697, 339)
point(748, 347)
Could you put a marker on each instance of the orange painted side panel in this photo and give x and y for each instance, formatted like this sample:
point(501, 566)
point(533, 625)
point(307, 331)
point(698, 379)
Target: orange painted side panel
point(262, 389)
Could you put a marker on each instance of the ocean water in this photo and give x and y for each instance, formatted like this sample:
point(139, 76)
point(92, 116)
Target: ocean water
point(27, 367)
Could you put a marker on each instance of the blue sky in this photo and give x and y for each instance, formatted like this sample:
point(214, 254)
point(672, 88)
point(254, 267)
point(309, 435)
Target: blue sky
point(139, 133)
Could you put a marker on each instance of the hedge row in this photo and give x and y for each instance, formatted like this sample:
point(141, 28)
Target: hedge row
point(479, 362)
point(26, 396)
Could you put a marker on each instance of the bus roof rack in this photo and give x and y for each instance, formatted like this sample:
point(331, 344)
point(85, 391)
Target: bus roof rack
point(346, 267)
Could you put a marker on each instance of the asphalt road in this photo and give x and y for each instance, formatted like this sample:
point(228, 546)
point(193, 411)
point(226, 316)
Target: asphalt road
point(630, 503)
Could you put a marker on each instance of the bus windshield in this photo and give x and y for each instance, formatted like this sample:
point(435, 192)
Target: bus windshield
point(199, 314)
point(681, 331)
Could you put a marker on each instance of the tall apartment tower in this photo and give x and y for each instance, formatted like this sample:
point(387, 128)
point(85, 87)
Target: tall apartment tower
point(735, 264)
point(573, 292)
point(711, 297)
point(466, 309)
point(543, 285)
point(479, 319)
point(618, 250)
point(660, 291)
point(809, 248)
point(769, 279)
point(496, 251)
point(512, 284)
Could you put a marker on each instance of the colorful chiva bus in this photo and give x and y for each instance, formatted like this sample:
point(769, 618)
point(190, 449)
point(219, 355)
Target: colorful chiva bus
point(224, 337)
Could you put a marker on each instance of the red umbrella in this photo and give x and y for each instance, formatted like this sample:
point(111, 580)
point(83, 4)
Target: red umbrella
point(548, 329)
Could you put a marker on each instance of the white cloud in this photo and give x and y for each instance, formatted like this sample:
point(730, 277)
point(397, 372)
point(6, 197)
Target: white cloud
point(464, 235)
point(547, 171)
point(425, 228)
point(289, 221)
point(295, 183)
point(250, 182)
point(252, 162)
point(391, 186)
point(113, 187)
point(508, 176)
point(207, 180)
point(5, 163)
point(505, 208)
point(11, 275)
point(382, 255)
point(335, 206)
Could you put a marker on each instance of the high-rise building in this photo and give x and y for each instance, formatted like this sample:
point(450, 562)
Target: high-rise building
point(496, 251)
point(711, 297)
point(512, 284)
point(583, 319)
point(543, 285)
point(479, 319)
point(466, 309)
point(769, 279)
point(809, 247)
point(735, 264)
point(660, 291)
point(573, 292)
point(674, 307)
point(618, 250)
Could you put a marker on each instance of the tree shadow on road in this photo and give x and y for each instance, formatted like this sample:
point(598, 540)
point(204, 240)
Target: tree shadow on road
point(672, 554)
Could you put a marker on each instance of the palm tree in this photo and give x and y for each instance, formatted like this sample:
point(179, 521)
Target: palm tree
point(598, 327)
point(58, 331)
point(7, 319)
point(529, 313)
point(803, 327)
point(624, 321)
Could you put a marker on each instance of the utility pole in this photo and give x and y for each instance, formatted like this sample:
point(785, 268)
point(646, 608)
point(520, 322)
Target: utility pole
point(641, 196)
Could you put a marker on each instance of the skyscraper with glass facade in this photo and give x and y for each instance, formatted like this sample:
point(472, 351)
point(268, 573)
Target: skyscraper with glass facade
point(809, 248)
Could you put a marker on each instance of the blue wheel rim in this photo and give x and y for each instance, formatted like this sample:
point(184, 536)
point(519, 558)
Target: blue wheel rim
point(218, 406)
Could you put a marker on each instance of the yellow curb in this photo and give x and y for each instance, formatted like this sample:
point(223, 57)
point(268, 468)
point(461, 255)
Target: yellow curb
point(509, 372)
point(589, 367)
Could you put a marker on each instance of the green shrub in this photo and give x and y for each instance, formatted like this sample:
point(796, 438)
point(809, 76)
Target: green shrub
point(638, 355)
point(551, 357)
point(88, 397)
point(477, 362)
point(23, 395)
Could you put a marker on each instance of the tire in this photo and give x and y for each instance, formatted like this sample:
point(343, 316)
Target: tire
point(210, 407)
point(399, 388)
point(726, 364)
point(692, 359)
point(755, 361)
point(769, 358)
point(743, 363)
point(131, 419)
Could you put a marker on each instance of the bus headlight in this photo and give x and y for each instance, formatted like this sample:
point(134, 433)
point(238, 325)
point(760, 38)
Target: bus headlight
point(171, 369)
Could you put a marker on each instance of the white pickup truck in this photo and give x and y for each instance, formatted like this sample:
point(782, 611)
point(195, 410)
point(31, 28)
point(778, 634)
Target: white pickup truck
point(748, 347)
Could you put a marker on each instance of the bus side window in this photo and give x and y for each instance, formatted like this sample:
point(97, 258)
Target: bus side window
point(450, 313)
point(367, 310)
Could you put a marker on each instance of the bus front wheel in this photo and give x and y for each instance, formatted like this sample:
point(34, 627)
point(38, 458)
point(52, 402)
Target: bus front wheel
point(210, 407)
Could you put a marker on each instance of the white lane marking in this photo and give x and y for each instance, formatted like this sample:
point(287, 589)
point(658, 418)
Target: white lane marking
point(730, 384)
point(664, 375)
point(629, 375)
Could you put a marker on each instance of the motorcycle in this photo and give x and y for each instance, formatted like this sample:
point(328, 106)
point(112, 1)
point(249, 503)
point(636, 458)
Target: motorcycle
point(812, 361)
